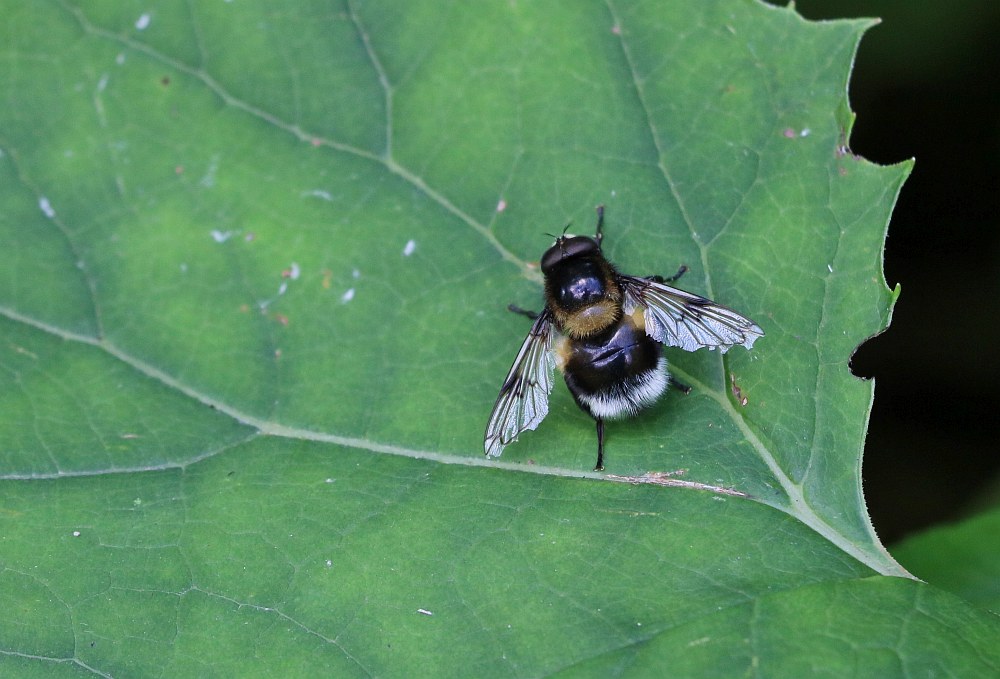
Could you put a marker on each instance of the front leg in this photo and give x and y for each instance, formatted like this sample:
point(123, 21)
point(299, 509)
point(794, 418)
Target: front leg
point(533, 315)
point(599, 231)
point(660, 279)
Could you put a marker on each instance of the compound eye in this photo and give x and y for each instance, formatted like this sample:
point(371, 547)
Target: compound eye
point(567, 248)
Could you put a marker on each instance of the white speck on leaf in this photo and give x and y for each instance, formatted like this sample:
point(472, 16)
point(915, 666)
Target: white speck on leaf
point(411, 246)
point(120, 58)
point(424, 611)
point(142, 23)
point(102, 82)
point(76, 533)
point(501, 205)
point(46, 207)
point(221, 236)
point(347, 296)
point(355, 274)
point(282, 289)
point(829, 268)
point(319, 193)
point(208, 181)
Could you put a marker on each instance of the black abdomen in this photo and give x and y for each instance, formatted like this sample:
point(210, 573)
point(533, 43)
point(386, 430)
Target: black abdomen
point(616, 373)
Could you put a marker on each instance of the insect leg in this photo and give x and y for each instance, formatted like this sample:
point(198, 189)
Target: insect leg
point(679, 386)
point(600, 445)
point(660, 279)
point(600, 225)
point(524, 312)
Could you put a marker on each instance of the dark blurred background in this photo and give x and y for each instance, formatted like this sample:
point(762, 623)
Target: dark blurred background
point(925, 85)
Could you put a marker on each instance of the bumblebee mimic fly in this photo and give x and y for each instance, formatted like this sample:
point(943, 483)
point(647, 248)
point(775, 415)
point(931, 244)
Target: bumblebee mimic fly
point(605, 331)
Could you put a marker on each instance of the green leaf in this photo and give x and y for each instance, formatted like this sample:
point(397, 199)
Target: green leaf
point(254, 265)
point(963, 558)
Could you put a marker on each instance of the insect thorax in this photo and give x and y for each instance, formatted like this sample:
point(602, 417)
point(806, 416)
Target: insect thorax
point(583, 296)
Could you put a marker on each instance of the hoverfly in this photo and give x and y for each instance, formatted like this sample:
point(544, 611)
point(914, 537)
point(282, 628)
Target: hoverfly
point(605, 331)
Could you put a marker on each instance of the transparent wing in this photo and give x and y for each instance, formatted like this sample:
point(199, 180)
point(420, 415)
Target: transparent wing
point(524, 398)
point(682, 319)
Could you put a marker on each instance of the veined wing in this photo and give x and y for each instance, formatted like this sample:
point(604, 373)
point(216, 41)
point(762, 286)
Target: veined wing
point(682, 319)
point(524, 398)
